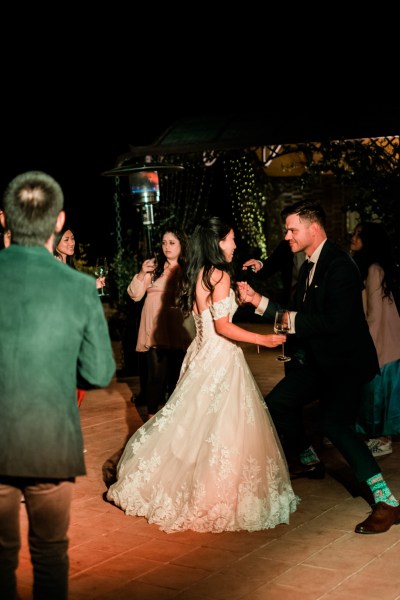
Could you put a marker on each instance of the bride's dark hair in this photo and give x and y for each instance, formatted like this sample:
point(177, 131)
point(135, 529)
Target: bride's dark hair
point(204, 251)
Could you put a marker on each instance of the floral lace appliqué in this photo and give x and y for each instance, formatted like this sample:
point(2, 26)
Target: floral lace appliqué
point(209, 460)
point(224, 307)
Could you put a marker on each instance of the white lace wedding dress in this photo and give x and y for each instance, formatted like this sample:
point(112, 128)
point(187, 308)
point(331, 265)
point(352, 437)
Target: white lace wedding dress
point(210, 460)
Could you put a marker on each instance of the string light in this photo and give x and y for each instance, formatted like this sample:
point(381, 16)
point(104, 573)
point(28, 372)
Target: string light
point(247, 200)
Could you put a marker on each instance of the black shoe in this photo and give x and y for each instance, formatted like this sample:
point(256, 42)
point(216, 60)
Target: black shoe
point(311, 471)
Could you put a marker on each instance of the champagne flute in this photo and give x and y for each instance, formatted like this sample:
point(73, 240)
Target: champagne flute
point(101, 270)
point(282, 325)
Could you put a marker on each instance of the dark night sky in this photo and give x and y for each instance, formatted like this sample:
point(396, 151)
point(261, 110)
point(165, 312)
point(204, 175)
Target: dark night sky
point(76, 140)
point(78, 87)
point(76, 153)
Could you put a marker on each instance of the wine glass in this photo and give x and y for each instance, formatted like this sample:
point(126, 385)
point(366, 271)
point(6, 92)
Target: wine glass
point(101, 270)
point(282, 325)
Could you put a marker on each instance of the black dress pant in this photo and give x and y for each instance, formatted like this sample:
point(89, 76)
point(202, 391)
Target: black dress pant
point(338, 397)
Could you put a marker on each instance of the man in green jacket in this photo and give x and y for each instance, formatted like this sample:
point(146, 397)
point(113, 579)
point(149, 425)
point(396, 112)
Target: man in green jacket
point(54, 338)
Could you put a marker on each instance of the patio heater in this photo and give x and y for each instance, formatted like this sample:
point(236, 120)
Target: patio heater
point(144, 190)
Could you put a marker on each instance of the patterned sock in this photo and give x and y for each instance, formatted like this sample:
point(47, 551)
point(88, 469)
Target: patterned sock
point(380, 490)
point(308, 456)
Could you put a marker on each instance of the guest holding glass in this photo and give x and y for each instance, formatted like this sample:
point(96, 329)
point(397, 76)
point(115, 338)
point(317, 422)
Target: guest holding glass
point(65, 251)
point(162, 336)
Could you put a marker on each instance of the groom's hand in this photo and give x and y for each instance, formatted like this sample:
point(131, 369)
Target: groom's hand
point(247, 294)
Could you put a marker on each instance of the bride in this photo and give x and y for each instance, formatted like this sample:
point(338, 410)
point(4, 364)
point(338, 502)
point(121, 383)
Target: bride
point(210, 459)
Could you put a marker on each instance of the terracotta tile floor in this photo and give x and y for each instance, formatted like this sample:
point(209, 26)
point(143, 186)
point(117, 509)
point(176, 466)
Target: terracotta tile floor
point(318, 555)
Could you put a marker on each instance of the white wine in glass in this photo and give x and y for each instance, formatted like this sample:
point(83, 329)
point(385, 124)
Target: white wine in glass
point(282, 325)
point(101, 270)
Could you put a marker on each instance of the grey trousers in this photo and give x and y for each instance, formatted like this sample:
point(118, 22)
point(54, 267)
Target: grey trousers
point(47, 504)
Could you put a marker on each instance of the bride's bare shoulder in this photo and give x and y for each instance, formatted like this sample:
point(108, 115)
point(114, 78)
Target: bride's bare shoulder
point(220, 281)
point(219, 276)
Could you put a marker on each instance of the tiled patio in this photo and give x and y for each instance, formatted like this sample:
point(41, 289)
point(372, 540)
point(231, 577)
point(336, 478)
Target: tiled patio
point(115, 557)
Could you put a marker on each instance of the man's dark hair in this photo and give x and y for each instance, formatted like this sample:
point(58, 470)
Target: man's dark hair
point(32, 202)
point(306, 209)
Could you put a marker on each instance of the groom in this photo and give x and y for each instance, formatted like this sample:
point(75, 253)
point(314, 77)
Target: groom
point(333, 356)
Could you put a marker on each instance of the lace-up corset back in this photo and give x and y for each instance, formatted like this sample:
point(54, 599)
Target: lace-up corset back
point(205, 329)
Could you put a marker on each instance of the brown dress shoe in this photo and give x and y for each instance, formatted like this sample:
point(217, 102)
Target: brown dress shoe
point(312, 471)
point(382, 517)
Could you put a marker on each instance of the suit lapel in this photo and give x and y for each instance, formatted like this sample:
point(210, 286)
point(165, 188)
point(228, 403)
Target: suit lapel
point(319, 269)
point(301, 284)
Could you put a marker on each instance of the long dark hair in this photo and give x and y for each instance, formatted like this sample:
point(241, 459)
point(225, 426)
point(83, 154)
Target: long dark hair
point(204, 251)
point(376, 248)
point(70, 260)
point(160, 257)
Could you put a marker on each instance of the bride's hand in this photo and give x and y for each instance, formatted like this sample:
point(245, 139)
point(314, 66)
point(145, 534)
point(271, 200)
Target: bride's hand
point(242, 287)
point(271, 340)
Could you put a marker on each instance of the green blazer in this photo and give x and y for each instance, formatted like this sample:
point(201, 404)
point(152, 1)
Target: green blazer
point(52, 332)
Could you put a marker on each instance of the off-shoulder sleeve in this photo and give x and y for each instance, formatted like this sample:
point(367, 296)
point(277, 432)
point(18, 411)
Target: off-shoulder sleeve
point(221, 308)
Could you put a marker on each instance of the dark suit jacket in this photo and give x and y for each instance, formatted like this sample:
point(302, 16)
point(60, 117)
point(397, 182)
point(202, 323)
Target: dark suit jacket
point(330, 324)
point(52, 329)
point(280, 261)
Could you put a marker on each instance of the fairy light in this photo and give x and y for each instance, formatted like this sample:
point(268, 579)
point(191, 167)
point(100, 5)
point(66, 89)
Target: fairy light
point(247, 201)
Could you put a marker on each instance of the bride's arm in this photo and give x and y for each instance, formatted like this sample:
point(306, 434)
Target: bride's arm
point(230, 330)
